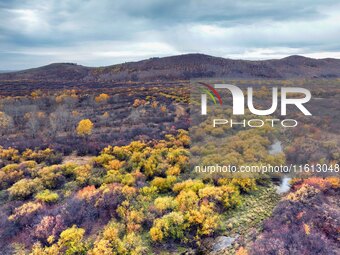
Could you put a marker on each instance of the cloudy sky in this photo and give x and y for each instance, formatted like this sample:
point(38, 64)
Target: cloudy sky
point(105, 32)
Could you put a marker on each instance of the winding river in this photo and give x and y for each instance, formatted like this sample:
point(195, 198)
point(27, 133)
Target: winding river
point(284, 186)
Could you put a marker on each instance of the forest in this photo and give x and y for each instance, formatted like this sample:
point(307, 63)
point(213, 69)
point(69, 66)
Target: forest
point(108, 170)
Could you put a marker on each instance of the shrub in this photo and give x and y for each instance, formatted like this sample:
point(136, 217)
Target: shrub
point(48, 156)
point(24, 188)
point(183, 137)
point(104, 159)
point(68, 170)
point(110, 191)
point(9, 154)
point(138, 102)
point(193, 185)
point(53, 159)
point(47, 196)
point(121, 153)
point(228, 196)
point(165, 203)
point(244, 184)
point(109, 242)
point(9, 175)
point(102, 98)
point(71, 240)
point(133, 244)
point(231, 196)
point(129, 192)
point(187, 200)
point(83, 174)
point(334, 182)
point(38, 249)
point(91, 203)
point(70, 243)
point(131, 217)
point(241, 251)
point(25, 213)
point(29, 167)
point(49, 226)
point(87, 193)
point(128, 179)
point(149, 191)
point(170, 225)
point(204, 221)
point(174, 170)
point(115, 164)
point(51, 177)
point(80, 211)
point(113, 241)
point(306, 192)
point(113, 176)
point(163, 184)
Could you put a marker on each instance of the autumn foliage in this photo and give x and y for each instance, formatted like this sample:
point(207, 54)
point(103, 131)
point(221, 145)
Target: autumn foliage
point(84, 127)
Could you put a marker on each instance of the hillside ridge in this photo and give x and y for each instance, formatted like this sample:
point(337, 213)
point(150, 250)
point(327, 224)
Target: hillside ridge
point(184, 67)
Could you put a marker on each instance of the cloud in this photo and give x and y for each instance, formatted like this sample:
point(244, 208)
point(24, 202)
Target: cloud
point(93, 32)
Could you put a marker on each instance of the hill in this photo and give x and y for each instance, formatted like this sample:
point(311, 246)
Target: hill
point(183, 67)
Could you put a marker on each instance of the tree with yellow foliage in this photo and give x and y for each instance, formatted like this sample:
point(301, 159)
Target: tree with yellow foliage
point(306, 228)
point(84, 128)
point(114, 241)
point(170, 225)
point(71, 241)
point(36, 93)
point(106, 115)
point(102, 98)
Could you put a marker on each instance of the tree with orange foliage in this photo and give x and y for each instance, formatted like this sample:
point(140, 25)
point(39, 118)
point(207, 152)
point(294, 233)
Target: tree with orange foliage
point(138, 102)
point(242, 251)
point(163, 109)
point(102, 98)
point(154, 104)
